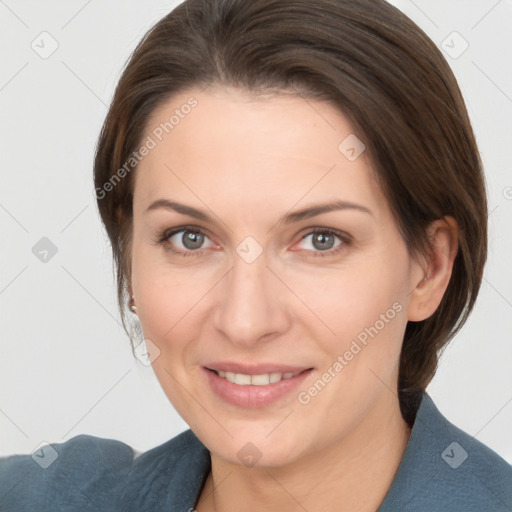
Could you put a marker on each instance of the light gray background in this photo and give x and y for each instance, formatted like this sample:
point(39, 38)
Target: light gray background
point(66, 367)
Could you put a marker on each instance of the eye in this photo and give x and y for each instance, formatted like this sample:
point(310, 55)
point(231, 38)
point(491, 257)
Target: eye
point(188, 241)
point(184, 241)
point(322, 242)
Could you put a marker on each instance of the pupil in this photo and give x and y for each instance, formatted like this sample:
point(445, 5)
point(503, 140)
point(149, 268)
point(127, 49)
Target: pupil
point(192, 240)
point(322, 237)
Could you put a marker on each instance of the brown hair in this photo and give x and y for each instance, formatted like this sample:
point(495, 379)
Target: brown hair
point(374, 64)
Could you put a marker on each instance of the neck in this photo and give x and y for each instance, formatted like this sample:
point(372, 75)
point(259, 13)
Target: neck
point(353, 475)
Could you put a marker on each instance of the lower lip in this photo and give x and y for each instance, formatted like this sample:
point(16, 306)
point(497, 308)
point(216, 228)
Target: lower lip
point(252, 396)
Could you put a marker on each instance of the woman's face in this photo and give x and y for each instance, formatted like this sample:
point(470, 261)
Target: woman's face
point(258, 283)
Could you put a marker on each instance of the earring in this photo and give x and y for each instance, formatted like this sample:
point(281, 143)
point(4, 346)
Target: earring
point(133, 307)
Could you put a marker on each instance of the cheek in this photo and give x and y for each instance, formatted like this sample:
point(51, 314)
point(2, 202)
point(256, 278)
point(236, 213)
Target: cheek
point(169, 313)
point(172, 312)
point(168, 307)
point(366, 310)
point(163, 295)
point(348, 301)
point(363, 313)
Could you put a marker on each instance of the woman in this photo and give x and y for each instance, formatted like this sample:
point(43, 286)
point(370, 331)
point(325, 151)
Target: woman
point(297, 212)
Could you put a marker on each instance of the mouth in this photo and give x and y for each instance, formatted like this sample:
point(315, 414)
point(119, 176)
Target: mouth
point(262, 379)
point(254, 387)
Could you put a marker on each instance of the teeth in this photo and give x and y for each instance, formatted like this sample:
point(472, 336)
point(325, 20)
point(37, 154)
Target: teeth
point(256, 380)
point(260, 380)
point(242, 379)
point(275, 377)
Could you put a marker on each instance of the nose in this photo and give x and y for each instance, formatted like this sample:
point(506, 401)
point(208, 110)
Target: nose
point(250, 303)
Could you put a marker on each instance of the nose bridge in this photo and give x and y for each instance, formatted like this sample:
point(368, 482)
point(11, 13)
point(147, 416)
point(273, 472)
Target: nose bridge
point(247, 307)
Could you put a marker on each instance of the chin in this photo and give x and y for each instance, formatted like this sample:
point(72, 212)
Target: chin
point(258, 455)
point(259, 444)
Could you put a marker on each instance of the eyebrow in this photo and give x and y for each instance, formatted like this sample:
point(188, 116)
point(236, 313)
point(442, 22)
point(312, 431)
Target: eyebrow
point(289, 218)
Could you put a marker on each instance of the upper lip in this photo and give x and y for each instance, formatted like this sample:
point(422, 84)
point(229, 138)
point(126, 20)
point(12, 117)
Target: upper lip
point(254, 369)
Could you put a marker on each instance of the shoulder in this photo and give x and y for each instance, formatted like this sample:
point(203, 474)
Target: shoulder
point(446, 469)
point(84, 473)
point(77, 473)
point(168, 477)
point(472, 473)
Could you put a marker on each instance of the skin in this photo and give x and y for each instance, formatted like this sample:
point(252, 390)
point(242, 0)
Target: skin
point(247, 161)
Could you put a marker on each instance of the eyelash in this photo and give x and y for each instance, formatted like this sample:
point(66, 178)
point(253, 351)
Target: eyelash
point(166, 234)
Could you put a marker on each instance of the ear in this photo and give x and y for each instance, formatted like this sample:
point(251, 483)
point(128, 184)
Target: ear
point(435, 271)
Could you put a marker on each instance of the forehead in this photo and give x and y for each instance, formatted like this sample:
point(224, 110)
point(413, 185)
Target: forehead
point(252, 150)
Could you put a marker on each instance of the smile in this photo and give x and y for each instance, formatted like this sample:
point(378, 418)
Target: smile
point(257, 380)
point(258, 388)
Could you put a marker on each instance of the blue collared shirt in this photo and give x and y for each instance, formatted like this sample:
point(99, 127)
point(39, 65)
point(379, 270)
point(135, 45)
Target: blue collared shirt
point(443, 470)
